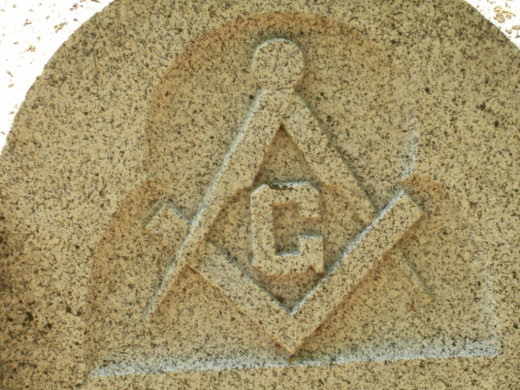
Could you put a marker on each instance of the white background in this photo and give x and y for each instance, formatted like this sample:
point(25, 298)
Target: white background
point(32, 30)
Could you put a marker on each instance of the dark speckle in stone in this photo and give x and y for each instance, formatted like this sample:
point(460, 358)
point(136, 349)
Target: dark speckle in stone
point(28, 316)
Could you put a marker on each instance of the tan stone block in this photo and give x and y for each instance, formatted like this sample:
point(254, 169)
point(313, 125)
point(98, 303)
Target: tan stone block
point(266, 194)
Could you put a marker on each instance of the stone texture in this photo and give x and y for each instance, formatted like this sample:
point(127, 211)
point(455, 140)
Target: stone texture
point(382, 138)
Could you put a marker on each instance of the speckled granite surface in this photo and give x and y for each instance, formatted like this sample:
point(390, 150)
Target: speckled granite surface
point(266, 195)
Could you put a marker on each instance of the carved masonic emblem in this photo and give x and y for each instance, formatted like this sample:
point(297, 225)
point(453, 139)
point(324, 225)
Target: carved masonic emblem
point(278, 65)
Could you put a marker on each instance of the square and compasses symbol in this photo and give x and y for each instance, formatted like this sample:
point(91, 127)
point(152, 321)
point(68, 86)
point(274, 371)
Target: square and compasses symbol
point(278, 65)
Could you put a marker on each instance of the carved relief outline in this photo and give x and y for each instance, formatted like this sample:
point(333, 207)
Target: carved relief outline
point(275, 105)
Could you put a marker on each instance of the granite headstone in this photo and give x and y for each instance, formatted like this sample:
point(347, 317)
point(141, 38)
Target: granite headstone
point(266, 194)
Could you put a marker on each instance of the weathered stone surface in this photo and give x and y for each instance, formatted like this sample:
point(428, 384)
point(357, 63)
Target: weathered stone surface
point(281, 194)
